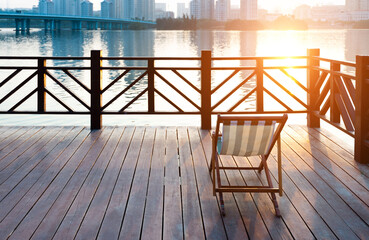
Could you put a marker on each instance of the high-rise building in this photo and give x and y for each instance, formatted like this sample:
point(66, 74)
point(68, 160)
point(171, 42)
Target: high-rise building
point(46, 7)
point(87, 9)
point(68, 7)
point(134, 9)
point(202, 9)
point(249, 9)
point(60, 7)
point(182, 10)
point(222, 10)
point(107, 9)
point(357, 5)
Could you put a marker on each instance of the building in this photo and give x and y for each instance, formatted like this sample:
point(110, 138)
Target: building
point(107, 9)
point(202, 9)
point(356, 10)
point(46, 7)
point(182, 10)
point(222, 10)
point(87, 9)
point(302, 12)
point(357, 5)
point(67, 7)
point(327, 13)
point(134, 9)
point(249, 9)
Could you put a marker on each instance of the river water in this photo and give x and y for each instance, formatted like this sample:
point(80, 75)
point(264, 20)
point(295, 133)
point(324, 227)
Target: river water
point(339, 44)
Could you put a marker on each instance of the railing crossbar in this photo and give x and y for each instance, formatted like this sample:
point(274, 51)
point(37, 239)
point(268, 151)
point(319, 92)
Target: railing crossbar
point(343, 112)
point(58, 100)
point(286, 90)
point(22, 100)
point(133, 100)
point(186, 81)
point(18, 87)
point(242, 100)
point(67, 90)
point(77, 81)
point(321, 79)
point(277, 99)
point(124, 90)
point(345, 97)
point(176, 89)
point(11, 76)
point(233, 91)
point(323, 94)
point(350, 88)
point(168, 100)
point(115, 81)
point(294, 79)
point(225, 81)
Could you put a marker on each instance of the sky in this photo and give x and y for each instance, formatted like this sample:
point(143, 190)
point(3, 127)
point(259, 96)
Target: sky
point(281, 6)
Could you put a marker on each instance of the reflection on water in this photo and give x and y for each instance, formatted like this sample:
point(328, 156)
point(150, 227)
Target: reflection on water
point(336, 44)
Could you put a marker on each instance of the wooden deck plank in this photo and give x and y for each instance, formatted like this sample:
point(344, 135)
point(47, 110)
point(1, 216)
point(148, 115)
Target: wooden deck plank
point(23, 207)
point(326, 184)
point(15, 194)
point(35, 165)
point(113, 183)
point(59, 195)
point(333, 157)
point(213, 223)
point(255, 226)
point(173, 226)
point(27, 146)
point(192, 220)
point(276, 226)
point(91, 223)
point(100, 156)
point(335, 147)
point(114, 215)
point(34, 217)
point(233, 220)
point(153, 219)
point(9, 135)
point(133, 217)
point(312, 187)
point(292, 194)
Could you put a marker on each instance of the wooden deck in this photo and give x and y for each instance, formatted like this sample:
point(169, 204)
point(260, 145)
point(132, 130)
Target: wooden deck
point(153, 183)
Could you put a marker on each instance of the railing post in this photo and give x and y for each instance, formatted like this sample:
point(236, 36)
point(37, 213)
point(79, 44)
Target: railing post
point(151, 85)
point(362, 110)
point(334, 110)
point(41, 85)
point(259, 85)
point(312, 94)
point(95, 89)
point(206, 90)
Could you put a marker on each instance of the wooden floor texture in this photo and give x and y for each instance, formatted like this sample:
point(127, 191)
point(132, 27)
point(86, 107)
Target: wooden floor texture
point(153, 183)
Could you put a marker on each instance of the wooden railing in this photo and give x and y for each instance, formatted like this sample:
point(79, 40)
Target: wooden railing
point(317, 91)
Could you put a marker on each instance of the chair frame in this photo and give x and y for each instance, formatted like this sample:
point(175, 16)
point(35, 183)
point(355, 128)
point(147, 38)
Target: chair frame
point(215, 167)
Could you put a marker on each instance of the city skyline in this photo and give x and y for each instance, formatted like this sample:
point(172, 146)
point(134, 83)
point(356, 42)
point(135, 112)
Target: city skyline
point(270, 5)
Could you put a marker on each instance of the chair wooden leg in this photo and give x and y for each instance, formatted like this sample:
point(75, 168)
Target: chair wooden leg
point(270, 184)
point(221, 200)
point(275, 203)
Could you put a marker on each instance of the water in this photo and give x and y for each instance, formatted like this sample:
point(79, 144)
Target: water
point(336, 44)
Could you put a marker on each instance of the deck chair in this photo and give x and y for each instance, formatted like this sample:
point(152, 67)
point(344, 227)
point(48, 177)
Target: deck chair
point(247, 136)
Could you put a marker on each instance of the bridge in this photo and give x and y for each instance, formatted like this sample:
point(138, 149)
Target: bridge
point(53, 22)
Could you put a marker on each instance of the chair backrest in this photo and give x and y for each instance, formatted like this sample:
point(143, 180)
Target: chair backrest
point(249, 135)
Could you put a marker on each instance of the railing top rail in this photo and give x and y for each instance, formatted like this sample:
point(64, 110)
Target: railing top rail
point(153, 58)
point(255, 58)
point(346, 63)
point(41, 57)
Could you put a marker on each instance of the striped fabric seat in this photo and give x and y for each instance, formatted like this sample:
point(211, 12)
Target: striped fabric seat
point(246, 138)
